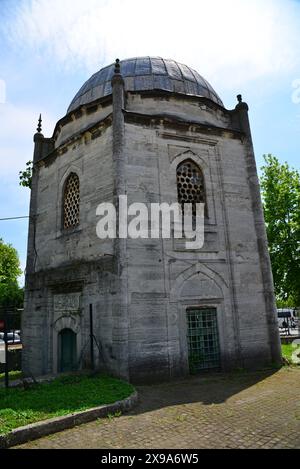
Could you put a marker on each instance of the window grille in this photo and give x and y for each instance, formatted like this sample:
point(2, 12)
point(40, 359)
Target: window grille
point(190, 185)
point(71, 202)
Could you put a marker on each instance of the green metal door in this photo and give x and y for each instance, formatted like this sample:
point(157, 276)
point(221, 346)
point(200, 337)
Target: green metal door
point(67, 349)
point(203, 339)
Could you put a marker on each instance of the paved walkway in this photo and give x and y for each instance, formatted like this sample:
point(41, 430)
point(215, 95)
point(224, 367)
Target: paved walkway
point(256, 410)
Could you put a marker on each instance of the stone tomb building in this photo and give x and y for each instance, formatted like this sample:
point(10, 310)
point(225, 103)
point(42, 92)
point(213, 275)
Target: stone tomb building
point(155, 130)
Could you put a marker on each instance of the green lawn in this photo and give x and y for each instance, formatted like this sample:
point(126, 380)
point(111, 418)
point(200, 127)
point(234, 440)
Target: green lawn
point(287, 350)
point(62, 396)
point(12, 375)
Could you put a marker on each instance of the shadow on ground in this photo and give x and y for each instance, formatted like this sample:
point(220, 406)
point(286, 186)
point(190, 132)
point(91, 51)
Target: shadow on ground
point(208, 389)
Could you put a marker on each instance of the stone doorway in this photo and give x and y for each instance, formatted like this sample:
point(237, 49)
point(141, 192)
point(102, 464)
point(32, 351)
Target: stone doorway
point(203, 339)
point(67, 351)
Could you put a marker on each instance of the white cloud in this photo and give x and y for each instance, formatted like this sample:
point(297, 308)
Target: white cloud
point(229, 42)
point(16, 137)
point(18, 125)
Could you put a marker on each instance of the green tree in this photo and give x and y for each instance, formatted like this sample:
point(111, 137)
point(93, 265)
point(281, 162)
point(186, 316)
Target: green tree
point(280, 186)
point(10, 292)
point(26, 175)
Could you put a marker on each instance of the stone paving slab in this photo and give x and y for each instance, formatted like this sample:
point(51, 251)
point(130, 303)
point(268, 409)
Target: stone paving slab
point(255, 410)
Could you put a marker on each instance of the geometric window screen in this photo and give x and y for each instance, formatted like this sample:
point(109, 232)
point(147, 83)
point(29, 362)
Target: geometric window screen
point(190, 185)
point(71, 202)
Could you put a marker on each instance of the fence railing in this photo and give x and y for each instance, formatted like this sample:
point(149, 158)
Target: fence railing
point(10, 340)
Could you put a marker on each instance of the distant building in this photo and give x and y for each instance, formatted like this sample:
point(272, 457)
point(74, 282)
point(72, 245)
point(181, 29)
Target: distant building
point(156, 131)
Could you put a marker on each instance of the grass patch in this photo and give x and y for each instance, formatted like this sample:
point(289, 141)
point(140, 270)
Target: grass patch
point(62, 396)
point(12, 375)
point(287, 351)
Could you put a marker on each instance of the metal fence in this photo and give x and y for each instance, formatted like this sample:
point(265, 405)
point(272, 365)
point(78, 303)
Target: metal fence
point(288, 322)
point(10, 340)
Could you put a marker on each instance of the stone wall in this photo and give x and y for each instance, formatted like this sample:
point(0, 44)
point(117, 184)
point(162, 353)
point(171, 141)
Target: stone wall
point(163, 275)
point(73, 262)
point(140, 301)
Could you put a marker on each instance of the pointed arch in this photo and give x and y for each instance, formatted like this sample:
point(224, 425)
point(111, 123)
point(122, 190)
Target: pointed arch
point(190, 184)
point(193, 272)
point(71, 202)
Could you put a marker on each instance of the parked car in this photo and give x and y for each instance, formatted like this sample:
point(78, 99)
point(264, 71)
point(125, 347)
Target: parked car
point(12, 337)
point(287, 318)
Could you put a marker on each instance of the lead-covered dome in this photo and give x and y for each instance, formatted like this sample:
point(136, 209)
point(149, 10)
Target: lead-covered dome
point(146, 73)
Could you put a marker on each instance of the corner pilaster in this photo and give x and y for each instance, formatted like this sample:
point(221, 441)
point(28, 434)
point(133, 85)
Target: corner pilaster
point(262, 241)
point(120, 319)
point(38, 139)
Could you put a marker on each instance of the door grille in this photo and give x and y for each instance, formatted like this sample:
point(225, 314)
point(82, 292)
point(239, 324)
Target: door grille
point(203, 339)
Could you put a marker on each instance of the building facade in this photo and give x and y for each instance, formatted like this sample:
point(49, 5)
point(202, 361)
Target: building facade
point(155, 131)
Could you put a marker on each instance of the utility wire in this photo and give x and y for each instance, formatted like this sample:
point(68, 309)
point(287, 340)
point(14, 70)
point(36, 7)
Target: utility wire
point(13, 218)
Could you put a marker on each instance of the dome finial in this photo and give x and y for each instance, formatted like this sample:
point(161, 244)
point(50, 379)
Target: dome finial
point(117, 66)
point(241, 104)
point(39, 127)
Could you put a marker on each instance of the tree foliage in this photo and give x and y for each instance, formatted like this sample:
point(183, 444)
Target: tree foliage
point(280, 186)
point(26, 175)
point(10, 292)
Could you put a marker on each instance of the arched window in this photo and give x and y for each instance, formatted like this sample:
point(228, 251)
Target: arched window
point(71, 199)
point(190, 185)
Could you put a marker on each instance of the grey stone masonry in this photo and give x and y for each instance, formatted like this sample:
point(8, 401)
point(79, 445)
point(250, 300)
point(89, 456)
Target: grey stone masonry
point(130, 142)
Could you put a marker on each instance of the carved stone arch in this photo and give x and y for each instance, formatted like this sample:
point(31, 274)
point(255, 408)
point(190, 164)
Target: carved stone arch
point(203, 165)
point(71, 169)
point(189, 154)
point(199, 287)
point(191, 187)
point(65, 322)
point(192, 273)
point(202, 287)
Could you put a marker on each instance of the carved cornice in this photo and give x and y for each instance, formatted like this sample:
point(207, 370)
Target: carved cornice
point(178, 124)
point(93, 130)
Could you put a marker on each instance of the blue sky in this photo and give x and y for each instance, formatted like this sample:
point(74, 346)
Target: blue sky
point(48, 48)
